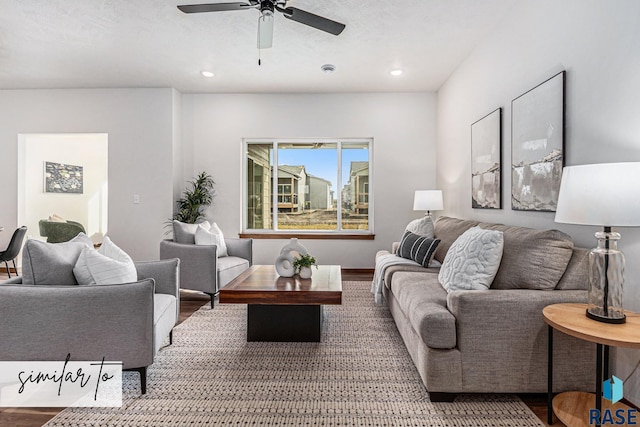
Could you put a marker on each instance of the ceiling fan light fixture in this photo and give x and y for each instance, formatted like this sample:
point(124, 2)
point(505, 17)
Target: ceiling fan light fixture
point(265, 29)
point(328, 68)
point(207, 73)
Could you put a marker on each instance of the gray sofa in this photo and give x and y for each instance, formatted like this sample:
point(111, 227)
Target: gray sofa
point(202, 270)
point(126, 322)
point(494, 340)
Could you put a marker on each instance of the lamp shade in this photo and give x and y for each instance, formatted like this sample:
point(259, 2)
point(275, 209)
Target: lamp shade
point(428, 200)
point(605, 194)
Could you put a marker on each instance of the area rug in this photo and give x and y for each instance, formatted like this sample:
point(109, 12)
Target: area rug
point(359, 375)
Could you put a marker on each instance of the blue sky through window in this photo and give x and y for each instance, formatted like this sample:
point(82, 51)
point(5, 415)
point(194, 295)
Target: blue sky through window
point(322, 162)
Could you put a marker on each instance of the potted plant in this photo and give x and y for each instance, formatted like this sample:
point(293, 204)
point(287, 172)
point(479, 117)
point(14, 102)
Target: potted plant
point(303, 265)
point(195, 199)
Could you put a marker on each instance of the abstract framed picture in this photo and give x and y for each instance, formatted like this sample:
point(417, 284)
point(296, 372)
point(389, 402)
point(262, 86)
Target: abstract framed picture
point(63, 178)
point(486, 162)
point(537, 146)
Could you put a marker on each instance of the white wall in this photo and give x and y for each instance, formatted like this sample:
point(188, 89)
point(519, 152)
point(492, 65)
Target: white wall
point(139, 123)
point(402, 126)
point(598, 43)
point(89, 208)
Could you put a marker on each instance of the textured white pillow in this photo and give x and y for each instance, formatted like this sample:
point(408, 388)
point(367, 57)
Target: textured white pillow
point(422, 227)
point(108, 265)
point(472, 260)
point(205, 237)
point(218, 239)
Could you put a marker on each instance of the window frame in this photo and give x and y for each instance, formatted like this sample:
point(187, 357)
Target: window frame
point(274, 232)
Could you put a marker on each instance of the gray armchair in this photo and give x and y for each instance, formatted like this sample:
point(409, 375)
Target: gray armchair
point(127, 322)
point(202, 270)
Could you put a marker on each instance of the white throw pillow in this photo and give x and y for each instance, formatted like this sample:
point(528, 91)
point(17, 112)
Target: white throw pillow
point(108, 265)
point(422, 227)
point(213, 236)
point(472, 260)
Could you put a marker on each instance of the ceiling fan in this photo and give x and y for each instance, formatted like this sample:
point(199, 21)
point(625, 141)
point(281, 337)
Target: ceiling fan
point(265, 21)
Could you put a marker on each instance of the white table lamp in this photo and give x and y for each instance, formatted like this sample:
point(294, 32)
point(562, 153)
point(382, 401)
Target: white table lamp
point(608, 195)
point(428, 200)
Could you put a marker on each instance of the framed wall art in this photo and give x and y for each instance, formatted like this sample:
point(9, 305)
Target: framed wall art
point(486, 161)
point(63, 178)
point(537, 146)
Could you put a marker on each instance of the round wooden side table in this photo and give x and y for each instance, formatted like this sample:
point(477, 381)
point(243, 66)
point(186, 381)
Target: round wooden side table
point(572, 408)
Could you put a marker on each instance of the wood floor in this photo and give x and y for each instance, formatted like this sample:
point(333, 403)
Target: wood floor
point(190, 302)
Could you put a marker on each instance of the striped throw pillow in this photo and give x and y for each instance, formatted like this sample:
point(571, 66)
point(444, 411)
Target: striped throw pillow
point(417, 248)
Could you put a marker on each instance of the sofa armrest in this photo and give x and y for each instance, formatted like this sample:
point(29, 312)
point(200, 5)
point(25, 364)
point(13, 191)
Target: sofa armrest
point(198, 264)
point(503, 316)
point(163, 272)
point(47, 322)
point(394, 247)
point(242, 248)
point(166, 275)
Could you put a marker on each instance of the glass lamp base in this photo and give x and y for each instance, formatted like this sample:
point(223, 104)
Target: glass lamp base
point(606, 319)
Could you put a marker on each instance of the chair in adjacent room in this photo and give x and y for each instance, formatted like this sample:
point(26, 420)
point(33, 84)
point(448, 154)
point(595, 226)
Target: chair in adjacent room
point(13, 249)
point(59, 232)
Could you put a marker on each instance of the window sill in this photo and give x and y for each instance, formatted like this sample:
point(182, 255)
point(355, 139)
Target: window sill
point(311, 236)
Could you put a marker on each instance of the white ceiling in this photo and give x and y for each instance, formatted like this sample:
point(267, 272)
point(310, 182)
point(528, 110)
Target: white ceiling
point(150, 43)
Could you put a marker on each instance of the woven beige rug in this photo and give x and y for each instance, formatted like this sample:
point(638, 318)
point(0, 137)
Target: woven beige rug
point(359, 375)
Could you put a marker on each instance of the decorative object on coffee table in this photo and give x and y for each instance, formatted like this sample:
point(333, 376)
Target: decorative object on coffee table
point(285, 262)
point(303, 265)
point(607, 195)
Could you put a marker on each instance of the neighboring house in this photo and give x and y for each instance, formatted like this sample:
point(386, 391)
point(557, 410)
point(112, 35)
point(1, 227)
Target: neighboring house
point(292, 186)
point(356, 192)
point(320, 195)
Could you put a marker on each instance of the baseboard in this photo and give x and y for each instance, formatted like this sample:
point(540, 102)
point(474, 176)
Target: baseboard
point(357, 270)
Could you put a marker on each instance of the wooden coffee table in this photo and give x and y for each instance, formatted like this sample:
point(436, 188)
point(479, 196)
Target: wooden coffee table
point(284, 308)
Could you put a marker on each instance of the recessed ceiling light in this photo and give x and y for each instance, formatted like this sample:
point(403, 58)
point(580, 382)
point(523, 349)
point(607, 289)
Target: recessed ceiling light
point(328, 68)
point(396, 73)
point(207, 73)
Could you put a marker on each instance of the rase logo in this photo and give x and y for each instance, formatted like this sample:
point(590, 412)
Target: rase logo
point(612, 390)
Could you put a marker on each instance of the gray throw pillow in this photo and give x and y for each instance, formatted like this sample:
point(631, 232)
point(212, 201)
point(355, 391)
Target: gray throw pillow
point(186, 233)
point(50, 263)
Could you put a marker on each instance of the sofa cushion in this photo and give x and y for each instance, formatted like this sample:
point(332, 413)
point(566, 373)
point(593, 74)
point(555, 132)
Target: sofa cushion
point(50, 263)
point(576, 276)
point(424, 303)
point(211, 237)
point(417, 248)
point(229, 268)
point(533, 259)
point(448, 230)
point(472, 261)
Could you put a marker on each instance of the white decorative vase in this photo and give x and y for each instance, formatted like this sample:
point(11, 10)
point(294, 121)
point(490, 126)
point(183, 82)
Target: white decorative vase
point(294, 246)
point(305, 272)
point(284, 263)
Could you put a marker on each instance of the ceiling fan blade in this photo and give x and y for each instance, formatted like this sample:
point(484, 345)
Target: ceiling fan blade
point(313, 20)
point(214, 7)
point(265, 31)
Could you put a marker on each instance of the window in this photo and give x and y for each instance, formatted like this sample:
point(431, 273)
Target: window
point(308, 186)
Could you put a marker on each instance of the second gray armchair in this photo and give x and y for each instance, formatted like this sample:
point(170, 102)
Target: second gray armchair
point(201, 269)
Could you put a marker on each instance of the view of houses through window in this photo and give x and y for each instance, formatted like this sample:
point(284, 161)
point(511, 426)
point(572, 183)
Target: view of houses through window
point(318, 185)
